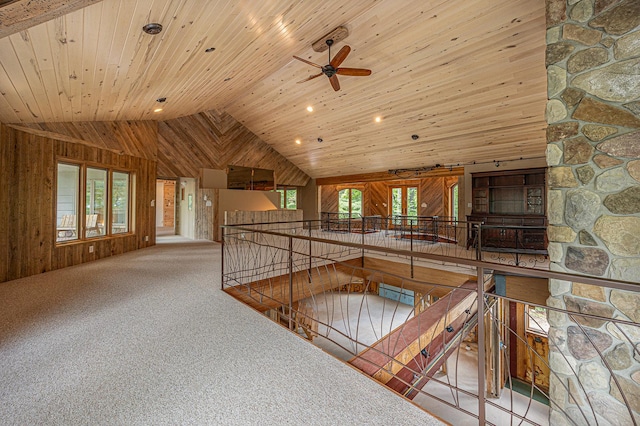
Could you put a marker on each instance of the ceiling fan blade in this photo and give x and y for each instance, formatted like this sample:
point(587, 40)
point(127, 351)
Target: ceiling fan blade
point(340, 56)
point(334, 82)
point(310, 78)
point(307, 62)
point(353, 71)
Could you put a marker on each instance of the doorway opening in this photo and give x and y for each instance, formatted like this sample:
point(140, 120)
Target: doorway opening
point(165, 207)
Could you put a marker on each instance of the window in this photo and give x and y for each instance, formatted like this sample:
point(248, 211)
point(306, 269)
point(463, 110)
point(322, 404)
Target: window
point(68, 196)
point(453, 201)
point(120, 203)
point(95, 199)
point(536, 319)
point(350, 202)
point(105, 195)
point(288, 198)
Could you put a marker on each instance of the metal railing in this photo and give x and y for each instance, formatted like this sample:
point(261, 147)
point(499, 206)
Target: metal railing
point(444, 350)
point(504, 244)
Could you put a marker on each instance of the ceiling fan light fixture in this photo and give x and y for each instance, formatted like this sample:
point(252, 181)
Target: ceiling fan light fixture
point(152, 28)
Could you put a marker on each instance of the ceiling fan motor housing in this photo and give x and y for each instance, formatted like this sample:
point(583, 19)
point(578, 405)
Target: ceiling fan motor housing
point(328, 70)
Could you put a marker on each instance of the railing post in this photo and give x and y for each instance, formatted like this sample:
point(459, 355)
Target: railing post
point(310, 242)
point(411, 247)
point(362, 219)
point(222, 259)
point(290, 283)
point(481, 348)
point(435, 229)
point(479, 243)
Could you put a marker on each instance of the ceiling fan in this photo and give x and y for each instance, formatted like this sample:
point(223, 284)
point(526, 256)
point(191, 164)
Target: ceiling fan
point(333, 69)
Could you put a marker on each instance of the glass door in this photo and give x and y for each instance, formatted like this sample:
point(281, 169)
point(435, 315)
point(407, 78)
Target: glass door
point(403, 206)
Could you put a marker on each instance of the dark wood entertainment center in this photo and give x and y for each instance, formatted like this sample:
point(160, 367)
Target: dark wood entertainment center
point(511, 206)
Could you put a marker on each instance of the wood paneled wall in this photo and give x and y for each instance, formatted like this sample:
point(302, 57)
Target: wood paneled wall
point(215, 140)
point(27, 204)
point(182, 146)
point(433, 191)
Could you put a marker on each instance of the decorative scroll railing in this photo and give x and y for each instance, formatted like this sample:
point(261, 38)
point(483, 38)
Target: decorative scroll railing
point(412, 321)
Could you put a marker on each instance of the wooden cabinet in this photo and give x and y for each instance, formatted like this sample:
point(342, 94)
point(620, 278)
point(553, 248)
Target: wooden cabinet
point(511, 207)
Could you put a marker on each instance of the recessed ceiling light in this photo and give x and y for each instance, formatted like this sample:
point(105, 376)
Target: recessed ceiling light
point(310, 108)
point(378, 119)
point(161, 100)
point(210, 49)
point(152, 28)
point(298, 141)
point(157, 110)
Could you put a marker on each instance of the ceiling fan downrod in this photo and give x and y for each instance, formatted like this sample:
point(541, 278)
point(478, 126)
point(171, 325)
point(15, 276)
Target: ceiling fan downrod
point(328, 69)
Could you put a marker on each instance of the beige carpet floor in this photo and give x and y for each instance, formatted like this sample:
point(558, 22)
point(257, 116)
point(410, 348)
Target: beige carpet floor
point(149, 338)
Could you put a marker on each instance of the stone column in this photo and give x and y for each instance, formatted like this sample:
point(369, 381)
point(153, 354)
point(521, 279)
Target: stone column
point(593, 154)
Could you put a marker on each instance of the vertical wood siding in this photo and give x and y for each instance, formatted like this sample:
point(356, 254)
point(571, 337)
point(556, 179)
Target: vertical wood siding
point(27, 204)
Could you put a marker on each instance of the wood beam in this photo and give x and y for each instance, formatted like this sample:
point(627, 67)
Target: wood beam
point(19, 15)
point(385, 176)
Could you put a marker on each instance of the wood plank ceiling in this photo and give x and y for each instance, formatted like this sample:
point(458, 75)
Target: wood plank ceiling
point(467, 76)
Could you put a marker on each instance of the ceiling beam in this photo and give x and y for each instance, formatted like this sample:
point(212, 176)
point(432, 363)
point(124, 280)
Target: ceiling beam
point(19, 15)
point(383, 176)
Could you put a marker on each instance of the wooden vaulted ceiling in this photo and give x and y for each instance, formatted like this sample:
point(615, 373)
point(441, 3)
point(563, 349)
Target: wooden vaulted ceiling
point(466, 76)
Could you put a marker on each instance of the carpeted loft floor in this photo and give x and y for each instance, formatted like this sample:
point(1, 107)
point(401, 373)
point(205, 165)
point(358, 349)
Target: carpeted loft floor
point(149, 338)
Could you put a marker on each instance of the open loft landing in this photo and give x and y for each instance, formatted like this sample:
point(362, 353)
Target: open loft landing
point(409, 319)
point(358, 162)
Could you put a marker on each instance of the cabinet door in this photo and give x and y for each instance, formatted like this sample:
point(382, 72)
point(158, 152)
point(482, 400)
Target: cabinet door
point(499, 238)
point(480, 201)
point(534, 200)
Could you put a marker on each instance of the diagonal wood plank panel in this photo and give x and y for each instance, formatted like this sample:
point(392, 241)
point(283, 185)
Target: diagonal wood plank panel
point(216, 140)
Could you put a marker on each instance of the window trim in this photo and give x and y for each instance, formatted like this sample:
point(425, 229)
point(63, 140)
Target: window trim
point(283, 196)
point(527, 322)
point(404, 198)
point(82, 200)
point(351, 188)
point(453, 200)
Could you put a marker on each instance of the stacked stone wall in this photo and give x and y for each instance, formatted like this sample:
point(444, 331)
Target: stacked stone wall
point(593, 154)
